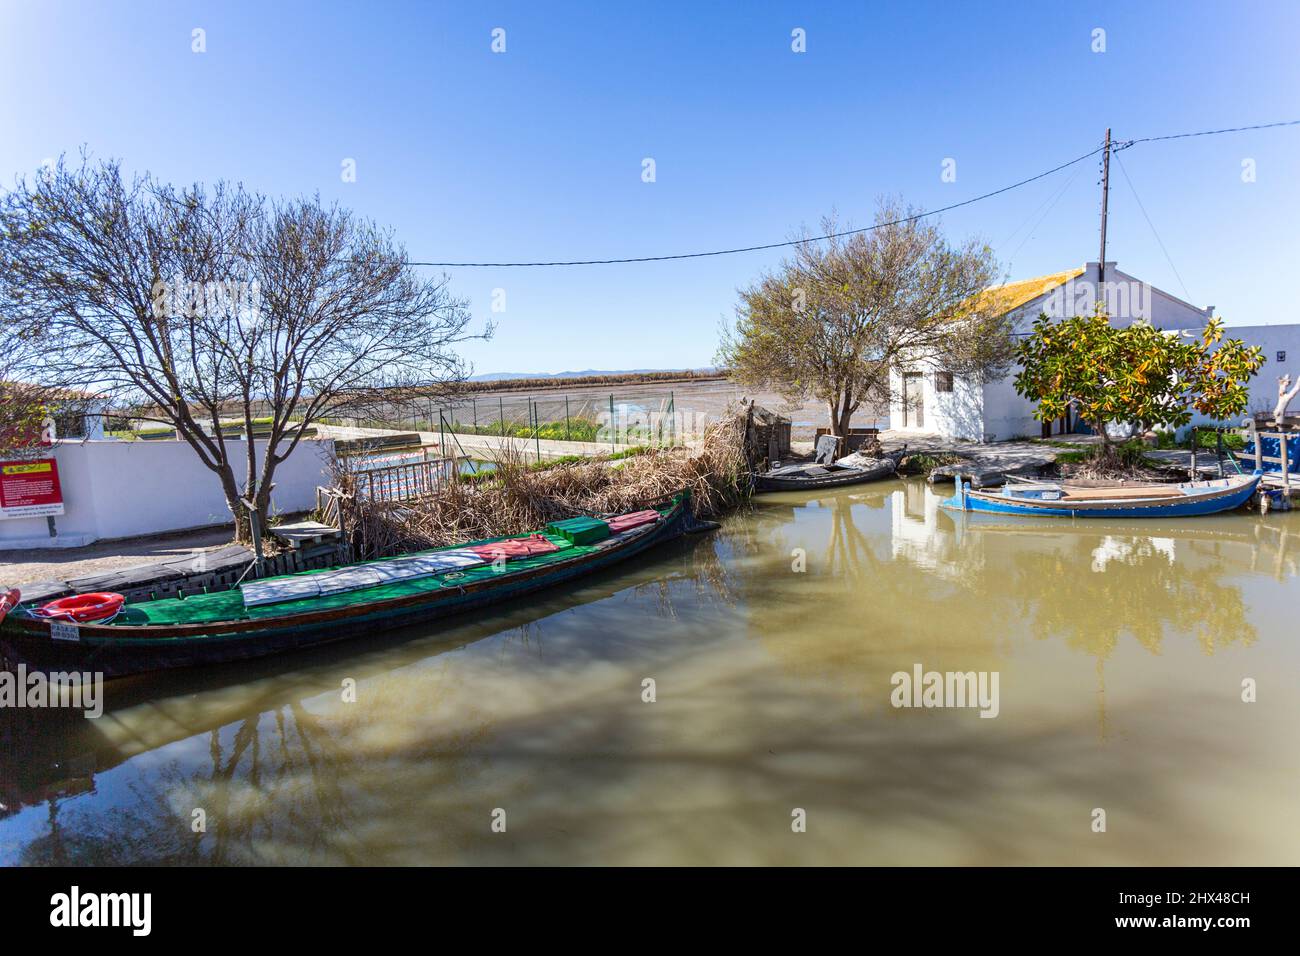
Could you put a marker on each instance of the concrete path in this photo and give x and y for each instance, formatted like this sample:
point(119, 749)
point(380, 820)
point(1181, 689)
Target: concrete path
point(983, 463)
point(65, 564)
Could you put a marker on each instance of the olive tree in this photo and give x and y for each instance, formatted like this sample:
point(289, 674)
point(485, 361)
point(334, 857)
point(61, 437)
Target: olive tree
point(836, 318)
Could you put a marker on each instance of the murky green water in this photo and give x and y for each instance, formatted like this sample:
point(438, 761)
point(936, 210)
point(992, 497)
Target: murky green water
point(1120, 651)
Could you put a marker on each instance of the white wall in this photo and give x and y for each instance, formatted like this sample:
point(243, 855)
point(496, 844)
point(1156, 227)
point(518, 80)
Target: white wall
point(121, 489)
point(959, 413)
point(1263, 386)
point(995, 409)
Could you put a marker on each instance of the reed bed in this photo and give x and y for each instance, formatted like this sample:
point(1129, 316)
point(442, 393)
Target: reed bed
point(519, 498)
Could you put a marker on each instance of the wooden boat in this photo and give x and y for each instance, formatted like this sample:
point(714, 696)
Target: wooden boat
point(1129, 499)
point(275, 615)
point(804, 476)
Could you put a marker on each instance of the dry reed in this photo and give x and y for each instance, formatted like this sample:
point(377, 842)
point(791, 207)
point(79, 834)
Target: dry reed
point(516, 498)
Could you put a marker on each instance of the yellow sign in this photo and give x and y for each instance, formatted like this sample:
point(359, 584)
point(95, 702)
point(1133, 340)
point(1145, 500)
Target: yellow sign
point(33, 468)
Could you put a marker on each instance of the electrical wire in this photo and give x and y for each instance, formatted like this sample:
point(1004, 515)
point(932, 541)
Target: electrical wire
point(1154, 232)
point(1115, 147)
point(769, 245)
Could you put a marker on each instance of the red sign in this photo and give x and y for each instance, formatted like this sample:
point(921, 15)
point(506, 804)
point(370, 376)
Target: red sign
point(30, 489)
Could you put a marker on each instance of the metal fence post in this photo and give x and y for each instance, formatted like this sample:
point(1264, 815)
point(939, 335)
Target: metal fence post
point(566, 418)
point(613, 431)
point(1286, 464)
point(501, 411)
point(537, 424)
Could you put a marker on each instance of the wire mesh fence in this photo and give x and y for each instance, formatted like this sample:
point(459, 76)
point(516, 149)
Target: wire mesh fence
point(617, 419)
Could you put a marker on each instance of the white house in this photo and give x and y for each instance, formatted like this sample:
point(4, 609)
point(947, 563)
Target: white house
point(933, 400)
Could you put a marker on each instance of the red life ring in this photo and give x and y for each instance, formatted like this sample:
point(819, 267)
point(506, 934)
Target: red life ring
point(9, 601)
point(84, 607)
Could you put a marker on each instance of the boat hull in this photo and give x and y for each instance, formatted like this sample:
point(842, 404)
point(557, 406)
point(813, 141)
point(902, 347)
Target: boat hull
point(1212, 501)
point(120, 651)
point(854, 476)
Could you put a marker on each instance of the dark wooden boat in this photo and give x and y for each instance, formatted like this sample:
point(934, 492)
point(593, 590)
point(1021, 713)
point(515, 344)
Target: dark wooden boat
point(222, 626)
point(805, 476)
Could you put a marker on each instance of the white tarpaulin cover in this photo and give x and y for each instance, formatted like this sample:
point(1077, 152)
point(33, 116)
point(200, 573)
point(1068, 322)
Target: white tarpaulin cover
point(354, 578)
point(348, 579)
point(280, 589)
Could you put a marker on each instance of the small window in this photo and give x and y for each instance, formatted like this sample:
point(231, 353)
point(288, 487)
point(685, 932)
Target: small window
point(943, 381)
point(1281, 356)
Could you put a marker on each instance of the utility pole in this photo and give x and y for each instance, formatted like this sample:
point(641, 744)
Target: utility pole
point(1105, 194)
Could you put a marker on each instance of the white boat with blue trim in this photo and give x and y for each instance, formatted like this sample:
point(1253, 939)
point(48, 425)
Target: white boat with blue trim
point(1118, 499)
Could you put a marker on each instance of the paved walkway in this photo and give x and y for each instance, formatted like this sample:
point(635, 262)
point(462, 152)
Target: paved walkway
point(66, 564)
point(983, 463)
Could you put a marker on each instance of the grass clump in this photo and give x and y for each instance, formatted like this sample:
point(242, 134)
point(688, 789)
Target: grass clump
point(519, 496)
point(922, 463)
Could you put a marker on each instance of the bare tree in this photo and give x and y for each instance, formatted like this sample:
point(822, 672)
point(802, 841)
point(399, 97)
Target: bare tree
point(1286, 393)
point(202, 306)
point(834, 319)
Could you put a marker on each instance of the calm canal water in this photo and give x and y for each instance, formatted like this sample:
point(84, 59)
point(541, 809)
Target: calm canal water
point(1120, 650)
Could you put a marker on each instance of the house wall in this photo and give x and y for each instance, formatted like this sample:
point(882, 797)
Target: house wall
point(972, 412)
point(1127, 299)
point(958, 413)
point(1273, 339)
point(118, 489)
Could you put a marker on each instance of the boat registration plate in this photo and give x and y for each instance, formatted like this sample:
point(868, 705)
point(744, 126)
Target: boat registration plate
point(64, 631)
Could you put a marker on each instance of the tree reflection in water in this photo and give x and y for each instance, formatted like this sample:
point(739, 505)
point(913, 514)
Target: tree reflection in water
point(788, 676)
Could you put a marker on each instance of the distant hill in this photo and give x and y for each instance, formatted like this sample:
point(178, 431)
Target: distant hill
point(517, 381)
point(585, 373)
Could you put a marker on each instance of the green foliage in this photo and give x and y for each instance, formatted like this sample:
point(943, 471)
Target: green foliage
point(923, 464)
point(1137, 374)
point(490, 474)
point(1205, 439)
point(23, 411)
point(578, 429)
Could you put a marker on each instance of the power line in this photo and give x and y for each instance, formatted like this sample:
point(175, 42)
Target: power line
point(1114, 147)
point(1043, 218)
point(1207, 132)
point(769, 245)
point(836, 235)
point(1145, 216)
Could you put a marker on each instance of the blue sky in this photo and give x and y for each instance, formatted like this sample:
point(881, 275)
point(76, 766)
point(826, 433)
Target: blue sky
point(536, 153)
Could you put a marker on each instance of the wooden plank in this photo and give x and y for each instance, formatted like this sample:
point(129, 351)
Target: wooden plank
point(1101, 494)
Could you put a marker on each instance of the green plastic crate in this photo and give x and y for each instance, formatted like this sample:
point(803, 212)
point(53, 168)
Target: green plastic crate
point(580, 530)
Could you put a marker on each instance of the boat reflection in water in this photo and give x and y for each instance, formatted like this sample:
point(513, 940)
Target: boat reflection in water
point(768, 650)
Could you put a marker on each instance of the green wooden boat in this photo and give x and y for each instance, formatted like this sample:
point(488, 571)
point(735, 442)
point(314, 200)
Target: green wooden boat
point(276, 615)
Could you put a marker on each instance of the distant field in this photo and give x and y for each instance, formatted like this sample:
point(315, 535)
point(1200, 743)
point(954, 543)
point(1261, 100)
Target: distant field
point(701, 394)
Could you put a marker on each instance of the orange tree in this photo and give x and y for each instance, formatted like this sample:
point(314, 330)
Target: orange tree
point(1139, 374)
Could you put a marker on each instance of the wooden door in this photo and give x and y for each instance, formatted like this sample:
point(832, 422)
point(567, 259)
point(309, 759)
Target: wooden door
point(913, 400)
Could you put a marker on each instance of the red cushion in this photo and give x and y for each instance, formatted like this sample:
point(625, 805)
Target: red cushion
point(515, 547)
point(634, 520)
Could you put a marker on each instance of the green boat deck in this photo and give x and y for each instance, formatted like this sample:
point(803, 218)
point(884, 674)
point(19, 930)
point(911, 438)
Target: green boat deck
point(216, 606)
point(229, 605)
